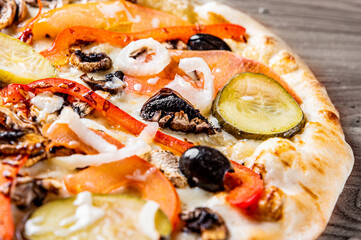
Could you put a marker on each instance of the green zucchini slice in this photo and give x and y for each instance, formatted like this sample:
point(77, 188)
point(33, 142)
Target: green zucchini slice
point(252, 105)
point(120, 218)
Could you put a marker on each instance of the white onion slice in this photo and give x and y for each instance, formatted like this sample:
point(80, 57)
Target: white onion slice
point(201, 99)
point(137, 146)
point(85, 134)
point(139, 67)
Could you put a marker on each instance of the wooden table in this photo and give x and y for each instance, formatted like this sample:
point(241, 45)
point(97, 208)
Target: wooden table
point(327, 35)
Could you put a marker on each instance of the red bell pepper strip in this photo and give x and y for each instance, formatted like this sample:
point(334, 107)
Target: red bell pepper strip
point(18, 93)
point(245, 186)
point(7, 175)
point(59, 51)
point(134, 172)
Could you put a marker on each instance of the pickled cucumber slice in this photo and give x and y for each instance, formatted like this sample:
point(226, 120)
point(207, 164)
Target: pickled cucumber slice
point(19, 63)
point(252, 105)
point(120, 218)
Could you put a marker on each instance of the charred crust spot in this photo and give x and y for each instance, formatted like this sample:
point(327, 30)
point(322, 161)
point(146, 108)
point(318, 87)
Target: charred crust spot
point(330, 116)
point(170, 109)
point(206, 222)
point(288, 56)
point(270, 40)
point(92, 62)
point(318, 168)
point(309, 191)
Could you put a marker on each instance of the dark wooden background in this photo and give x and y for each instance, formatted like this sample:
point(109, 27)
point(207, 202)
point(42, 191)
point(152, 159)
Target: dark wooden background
point(327, 35)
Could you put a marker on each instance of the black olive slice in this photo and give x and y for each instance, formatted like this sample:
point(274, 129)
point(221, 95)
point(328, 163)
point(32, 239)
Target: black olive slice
point(204, 42)
point(170, 109)
point(205, 167)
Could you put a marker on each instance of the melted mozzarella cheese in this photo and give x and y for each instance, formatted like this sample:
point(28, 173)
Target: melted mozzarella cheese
point(47, 103)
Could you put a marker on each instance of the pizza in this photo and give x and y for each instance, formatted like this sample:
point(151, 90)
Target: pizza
point(160, 120)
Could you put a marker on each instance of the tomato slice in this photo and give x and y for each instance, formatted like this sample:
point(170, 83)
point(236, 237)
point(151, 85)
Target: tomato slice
point(245, 186)
point(58, 53)
point(134, 173)
point(111, 15)
point(223, 64)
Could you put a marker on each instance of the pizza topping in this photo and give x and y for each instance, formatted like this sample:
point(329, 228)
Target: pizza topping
point(112, 15)
point(112, 84)
point(91, 62)
point(116, 216)
point(86, 135)
point(270, 205)
point(19, 63)
point(208, 223)
point(134, 173)
point(256, 106)
point(20, 136)
point(204, 42)
point(81, 108)
point(244, 185)
point(167, 162)
point(7, 12)
point(49, 3)
point(44, 105)
point(171, 110)
point(205, 167)
point(200, 98)
point(59, 52)
point(142, 58)
point(175, 44)
point(30, 191)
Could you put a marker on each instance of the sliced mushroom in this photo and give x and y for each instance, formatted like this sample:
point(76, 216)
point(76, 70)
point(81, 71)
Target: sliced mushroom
point(92, 62)
point(7, 13)
point(112, 84)
point(167, 162)
point(21, 10)
point(30, 191)
point(81, 108)
point(175, 44)
point(170, 109)
point(208, 223)
point(18, 136)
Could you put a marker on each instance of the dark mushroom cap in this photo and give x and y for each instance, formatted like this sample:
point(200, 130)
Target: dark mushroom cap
point(170, 109)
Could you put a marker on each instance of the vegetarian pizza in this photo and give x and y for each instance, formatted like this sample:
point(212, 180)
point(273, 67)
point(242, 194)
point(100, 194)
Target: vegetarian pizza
point(160, 120)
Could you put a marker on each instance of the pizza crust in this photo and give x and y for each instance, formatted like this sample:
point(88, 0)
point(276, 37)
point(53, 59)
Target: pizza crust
point(312, 167)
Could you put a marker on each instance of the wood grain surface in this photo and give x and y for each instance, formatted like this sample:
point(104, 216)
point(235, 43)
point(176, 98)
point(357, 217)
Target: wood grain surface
point(327, 35)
